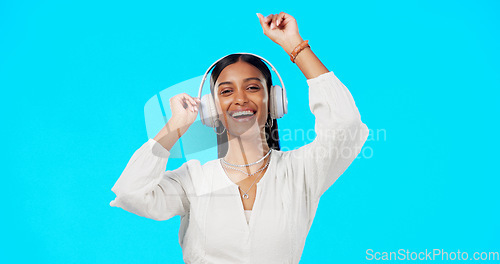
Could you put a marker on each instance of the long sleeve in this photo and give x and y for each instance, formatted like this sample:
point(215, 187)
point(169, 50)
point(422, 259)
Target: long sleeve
point(340, 134)
point(146, 189)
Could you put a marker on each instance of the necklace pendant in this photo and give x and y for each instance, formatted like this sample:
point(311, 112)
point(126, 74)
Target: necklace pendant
point(245, 196)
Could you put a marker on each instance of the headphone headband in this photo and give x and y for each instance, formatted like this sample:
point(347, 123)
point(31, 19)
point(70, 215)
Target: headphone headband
point(213, 64)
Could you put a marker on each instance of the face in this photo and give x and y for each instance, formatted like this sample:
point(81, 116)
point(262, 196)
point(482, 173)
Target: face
point(242, 99)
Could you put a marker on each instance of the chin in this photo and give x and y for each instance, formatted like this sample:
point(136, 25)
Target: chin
point(244, 130)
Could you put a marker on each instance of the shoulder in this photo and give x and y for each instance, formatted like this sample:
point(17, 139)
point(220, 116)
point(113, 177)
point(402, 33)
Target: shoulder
point(281, 159)
point(194, 167)
point(281, 155)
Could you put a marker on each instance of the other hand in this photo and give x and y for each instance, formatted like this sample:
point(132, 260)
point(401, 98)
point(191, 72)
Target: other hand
point(282, 29)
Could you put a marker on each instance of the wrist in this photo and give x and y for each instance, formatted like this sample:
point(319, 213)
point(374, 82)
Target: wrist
point(170, 133)
point(292, 43)
point(177, 124)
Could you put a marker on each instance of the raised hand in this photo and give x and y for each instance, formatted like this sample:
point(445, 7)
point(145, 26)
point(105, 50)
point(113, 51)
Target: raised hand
point(184, 111)
point(184, 108)
point(282, 29)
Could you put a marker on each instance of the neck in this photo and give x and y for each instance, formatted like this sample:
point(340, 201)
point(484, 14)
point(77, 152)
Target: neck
point(245, 149)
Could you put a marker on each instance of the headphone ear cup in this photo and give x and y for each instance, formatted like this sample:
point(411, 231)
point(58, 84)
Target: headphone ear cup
point(208, 111)
point(278, 102)
point(272, 103)
point(285, 101)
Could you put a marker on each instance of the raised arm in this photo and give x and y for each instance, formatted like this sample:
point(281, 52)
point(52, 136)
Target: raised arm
point(144, 187)
point(340, 131)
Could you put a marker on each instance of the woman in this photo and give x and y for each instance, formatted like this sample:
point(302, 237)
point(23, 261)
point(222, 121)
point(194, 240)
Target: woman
point(281, 189)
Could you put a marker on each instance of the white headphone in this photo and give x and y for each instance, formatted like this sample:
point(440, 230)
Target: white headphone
point(278, 103)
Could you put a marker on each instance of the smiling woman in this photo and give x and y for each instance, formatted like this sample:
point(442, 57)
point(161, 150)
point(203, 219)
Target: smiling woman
point(255, 203)
point(242, 82)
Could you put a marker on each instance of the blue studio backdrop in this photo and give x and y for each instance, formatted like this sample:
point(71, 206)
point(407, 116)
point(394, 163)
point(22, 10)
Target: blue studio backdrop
point(76, 76)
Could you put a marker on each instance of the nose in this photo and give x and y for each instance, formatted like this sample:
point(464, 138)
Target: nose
point(240, 96)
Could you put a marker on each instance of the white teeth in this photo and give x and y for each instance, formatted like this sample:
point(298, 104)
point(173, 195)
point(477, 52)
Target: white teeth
point(240, 113)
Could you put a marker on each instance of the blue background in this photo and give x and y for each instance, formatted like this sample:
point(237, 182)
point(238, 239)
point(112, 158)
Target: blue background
point(74, 79)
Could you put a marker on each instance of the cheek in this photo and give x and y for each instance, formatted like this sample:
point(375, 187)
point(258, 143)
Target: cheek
point(264, 109)
point(265, 105)
point(220, 105)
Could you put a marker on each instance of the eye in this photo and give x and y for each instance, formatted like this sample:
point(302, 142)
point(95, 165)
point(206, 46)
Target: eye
point(225, 91)
point(254, 88)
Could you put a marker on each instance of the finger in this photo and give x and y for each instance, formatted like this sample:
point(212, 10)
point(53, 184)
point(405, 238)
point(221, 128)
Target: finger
point(273, 22)
point(177, 99)
point(287, 19)
point(269, 21)
point(191, 99)
point(268, 18)
point(261, 18)
point(281, 16)
point(185, 102)
point(263, 22)
point(194, 103)
point(189, 104)
point(197, 102)
point(187, 97)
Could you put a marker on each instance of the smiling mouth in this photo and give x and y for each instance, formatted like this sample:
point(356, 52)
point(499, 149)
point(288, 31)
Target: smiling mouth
point(243, 115)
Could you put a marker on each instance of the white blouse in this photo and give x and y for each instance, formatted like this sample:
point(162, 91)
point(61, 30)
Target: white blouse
point(214, 227)
point(248, 213)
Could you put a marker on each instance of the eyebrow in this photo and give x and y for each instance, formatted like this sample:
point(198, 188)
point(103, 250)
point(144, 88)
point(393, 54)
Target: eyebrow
point(245, 80)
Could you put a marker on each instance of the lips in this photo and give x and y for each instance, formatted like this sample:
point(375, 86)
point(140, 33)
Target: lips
point(242, 115)
point(231, 113)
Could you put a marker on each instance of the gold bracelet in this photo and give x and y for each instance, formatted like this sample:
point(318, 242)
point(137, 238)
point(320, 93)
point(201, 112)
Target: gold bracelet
point(298, 49)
